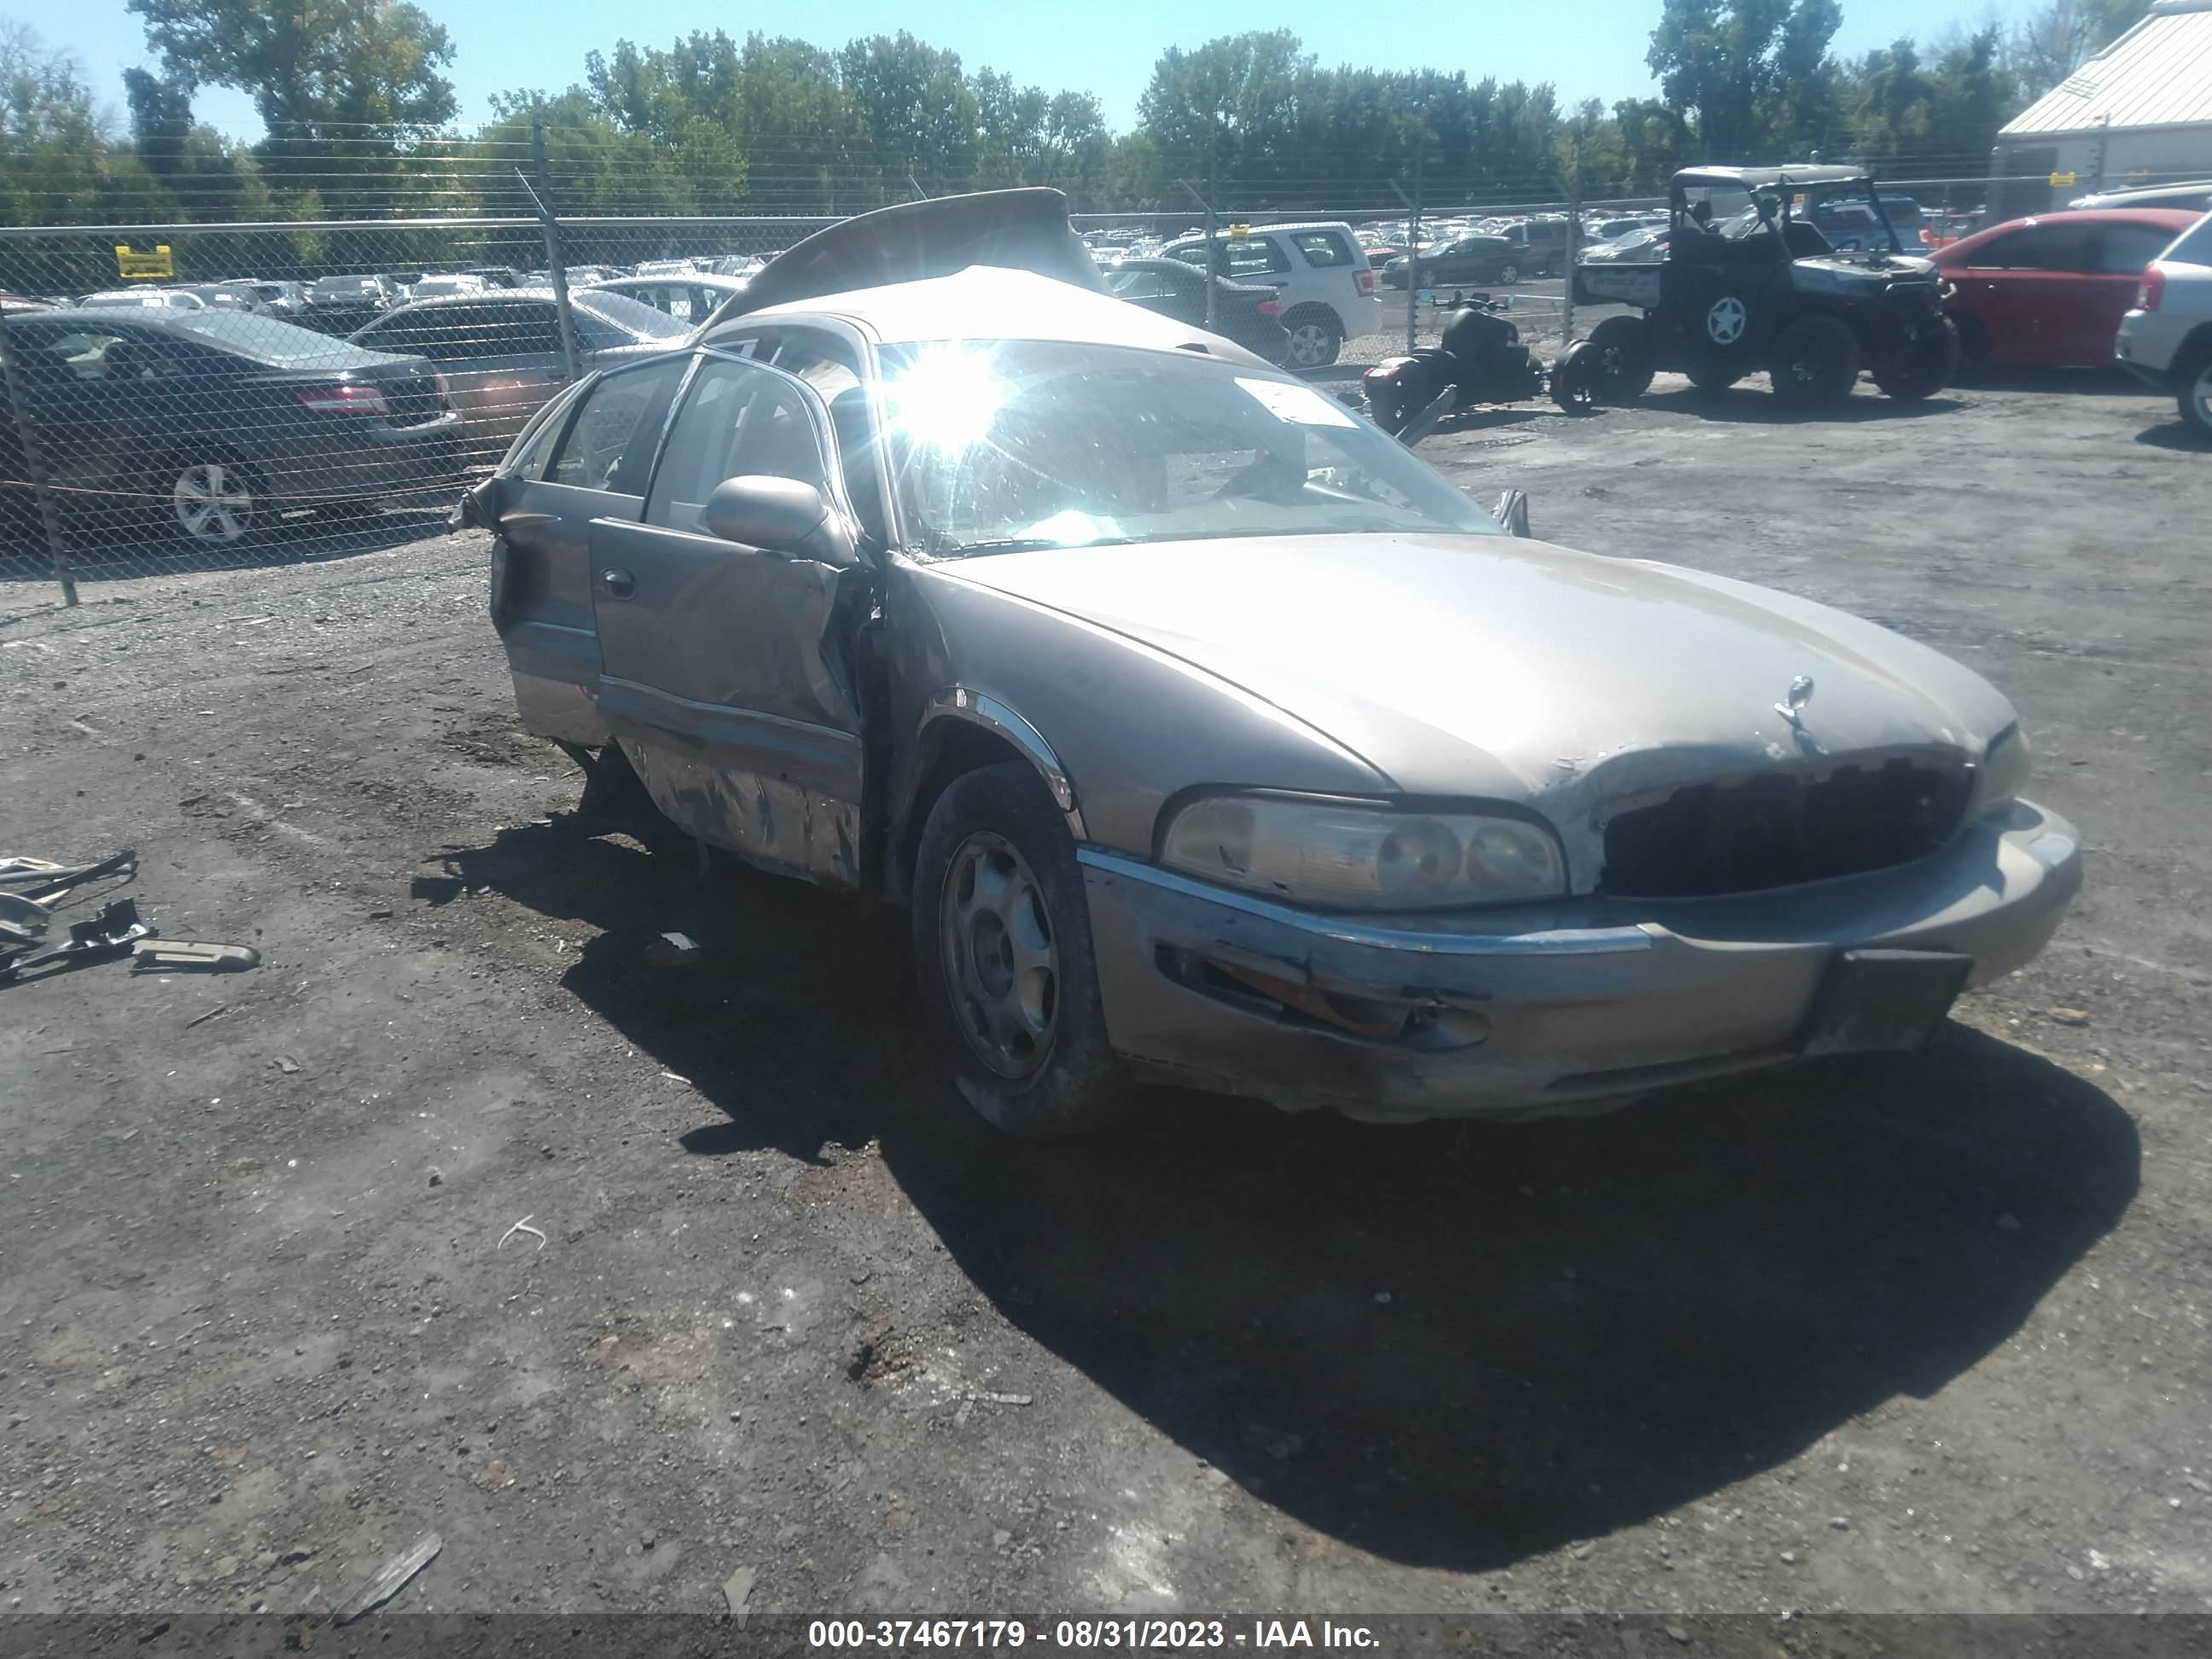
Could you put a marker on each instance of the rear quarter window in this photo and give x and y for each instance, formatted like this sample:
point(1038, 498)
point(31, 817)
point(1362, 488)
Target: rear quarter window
point(1324, 248)
point(2194, 245)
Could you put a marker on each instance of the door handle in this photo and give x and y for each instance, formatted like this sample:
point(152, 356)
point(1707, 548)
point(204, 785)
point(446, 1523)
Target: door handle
point(619, 584)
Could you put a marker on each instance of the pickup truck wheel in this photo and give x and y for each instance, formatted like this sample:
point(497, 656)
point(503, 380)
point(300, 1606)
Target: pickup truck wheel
point(2193, 394)
point(1815, 362)
point(1002, 950)
point(1620, 360)
point(1315, 337)
point(1923, 366)
point(1507, 274)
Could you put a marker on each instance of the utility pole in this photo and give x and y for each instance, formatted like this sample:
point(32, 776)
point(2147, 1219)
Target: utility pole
point(1213, 254)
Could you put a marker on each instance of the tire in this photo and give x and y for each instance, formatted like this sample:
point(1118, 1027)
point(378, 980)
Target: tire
point(1507, 274)
point(1002, 952)
point(1814, 362)
point(214, 502)
point(1923, 366)
point(1574, 378)
point(1620, 360)
point(2192, 393)
point(1316, 338)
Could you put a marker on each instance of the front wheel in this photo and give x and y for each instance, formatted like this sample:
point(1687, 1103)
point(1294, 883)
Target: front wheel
point(1574, 378)
point(1002, 948)
point(1923, 363)
point(1815, 362)
point(1620, 360)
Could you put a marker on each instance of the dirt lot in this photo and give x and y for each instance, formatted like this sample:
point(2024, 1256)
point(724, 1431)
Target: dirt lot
point(1921, 1335)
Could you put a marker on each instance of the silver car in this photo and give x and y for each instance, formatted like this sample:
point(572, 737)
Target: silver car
point(499, 350)
point(1208, 736)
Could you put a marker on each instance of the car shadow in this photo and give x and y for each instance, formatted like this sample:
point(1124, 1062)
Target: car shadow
point(1751, 403)
point(1451, 1345)
point(2174, 435)
point(297, 537)
point(2101, 382)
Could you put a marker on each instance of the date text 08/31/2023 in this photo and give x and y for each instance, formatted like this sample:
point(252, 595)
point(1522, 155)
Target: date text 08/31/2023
point(1076, 1633)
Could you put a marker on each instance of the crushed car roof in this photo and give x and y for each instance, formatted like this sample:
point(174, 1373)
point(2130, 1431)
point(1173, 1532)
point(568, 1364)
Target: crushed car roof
point(986, 302)
point(1021, 229)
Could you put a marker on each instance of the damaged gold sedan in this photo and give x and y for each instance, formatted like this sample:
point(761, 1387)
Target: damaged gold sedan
point(1208, 735)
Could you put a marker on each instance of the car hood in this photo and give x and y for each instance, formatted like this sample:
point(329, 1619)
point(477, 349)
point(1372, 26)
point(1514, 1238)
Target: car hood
point(1502, 668)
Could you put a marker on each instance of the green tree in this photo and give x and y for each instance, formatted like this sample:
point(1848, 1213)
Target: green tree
point(916, 109)
point(1747, 74)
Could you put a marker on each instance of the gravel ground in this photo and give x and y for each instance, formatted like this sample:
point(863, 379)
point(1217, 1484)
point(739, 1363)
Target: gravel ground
point(1913, 1334)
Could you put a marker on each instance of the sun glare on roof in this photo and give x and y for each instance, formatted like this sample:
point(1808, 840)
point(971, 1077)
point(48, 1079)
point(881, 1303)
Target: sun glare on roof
point(947, 396)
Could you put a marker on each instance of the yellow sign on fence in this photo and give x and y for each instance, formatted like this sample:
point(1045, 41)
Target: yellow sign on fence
point(2060, 180)
point(134, 266)
point(1240, 233)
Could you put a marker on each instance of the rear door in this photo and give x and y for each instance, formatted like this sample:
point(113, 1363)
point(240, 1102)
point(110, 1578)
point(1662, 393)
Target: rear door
point(719, 664)
point(589, 459)
point(2117, 253)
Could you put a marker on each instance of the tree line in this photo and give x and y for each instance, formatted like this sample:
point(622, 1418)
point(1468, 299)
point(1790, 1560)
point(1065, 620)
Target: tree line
point(358, 112)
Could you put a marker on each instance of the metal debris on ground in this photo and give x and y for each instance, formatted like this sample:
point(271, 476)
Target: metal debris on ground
point(385, 1583)
point(109, 935)
point(522, 1226)
point(167, 956)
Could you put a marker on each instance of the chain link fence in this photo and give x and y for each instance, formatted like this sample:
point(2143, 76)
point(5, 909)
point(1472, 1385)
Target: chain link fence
point(185, 396)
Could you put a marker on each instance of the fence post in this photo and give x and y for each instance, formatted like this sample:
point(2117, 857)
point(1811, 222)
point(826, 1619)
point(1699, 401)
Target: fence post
point(35, 463)
point(1574, 253)
point(1413, 258)
point(553, 262)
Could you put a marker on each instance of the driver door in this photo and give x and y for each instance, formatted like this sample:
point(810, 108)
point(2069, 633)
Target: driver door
point(723, 667)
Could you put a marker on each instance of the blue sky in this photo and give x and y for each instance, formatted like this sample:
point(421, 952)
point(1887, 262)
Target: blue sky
point(1588, 48)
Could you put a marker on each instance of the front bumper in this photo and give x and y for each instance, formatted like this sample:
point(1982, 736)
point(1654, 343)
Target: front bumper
point(1529, 1014)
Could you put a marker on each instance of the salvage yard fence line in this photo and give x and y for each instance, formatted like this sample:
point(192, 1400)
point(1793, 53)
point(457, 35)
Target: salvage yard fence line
point(130, 447)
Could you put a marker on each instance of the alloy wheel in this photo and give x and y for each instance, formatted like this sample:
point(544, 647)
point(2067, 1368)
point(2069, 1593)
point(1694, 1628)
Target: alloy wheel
point(1002, 961)
point(1309, 345)
point(2201, 396)
point(212, 502)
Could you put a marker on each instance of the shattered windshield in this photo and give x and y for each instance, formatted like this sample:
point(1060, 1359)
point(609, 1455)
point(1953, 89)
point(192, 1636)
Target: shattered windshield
point(1002, 445)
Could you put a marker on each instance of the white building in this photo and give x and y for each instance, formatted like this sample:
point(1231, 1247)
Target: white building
point(2139, 111)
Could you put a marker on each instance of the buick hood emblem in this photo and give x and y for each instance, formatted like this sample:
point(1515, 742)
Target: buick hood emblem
point(1792, 705)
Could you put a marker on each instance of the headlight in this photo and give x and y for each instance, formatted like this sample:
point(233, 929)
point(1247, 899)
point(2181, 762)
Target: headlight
point(1346, 855)
point(2002, 773)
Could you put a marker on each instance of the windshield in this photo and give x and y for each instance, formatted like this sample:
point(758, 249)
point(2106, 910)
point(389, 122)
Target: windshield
point(631, 316)
point(1008, 444)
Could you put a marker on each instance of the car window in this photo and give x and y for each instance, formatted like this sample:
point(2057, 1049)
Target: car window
point(2035, 247)
point(1323, 247)
point(2124, 249)
point(95, 355)
point(738, 418)
point(2194, 245)
point(1191, 254)
point(1140, 285)
point(621, 312)
point(526, 458)
point(1257, 256)
point(610, 444)
point(832, 371)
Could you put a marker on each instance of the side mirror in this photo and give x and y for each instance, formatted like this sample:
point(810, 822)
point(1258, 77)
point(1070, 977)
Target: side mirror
point(779, 515)
point(1512, 512)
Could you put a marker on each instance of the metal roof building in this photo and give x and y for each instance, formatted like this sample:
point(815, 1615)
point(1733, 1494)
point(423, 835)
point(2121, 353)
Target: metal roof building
point(2139, 111)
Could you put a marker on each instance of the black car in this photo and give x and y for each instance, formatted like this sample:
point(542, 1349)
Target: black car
point(211, 421)
point(1469, 259)
point(1247, 312)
